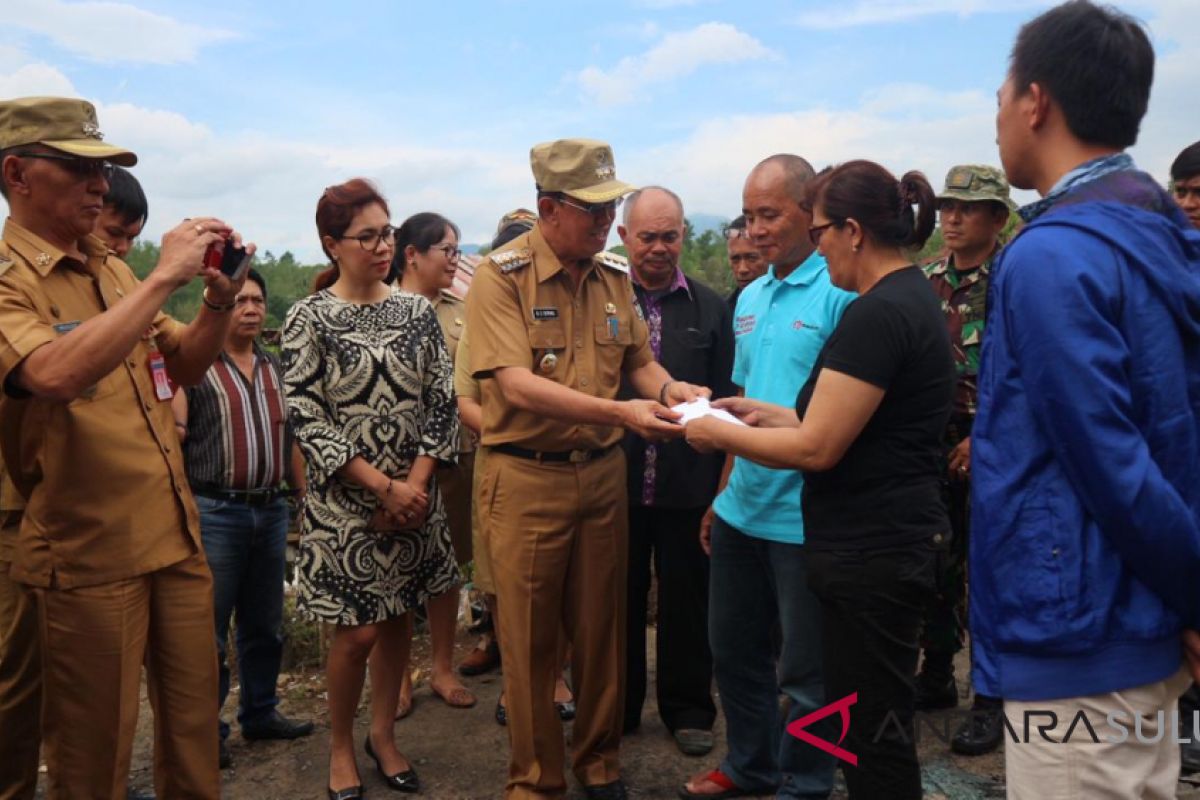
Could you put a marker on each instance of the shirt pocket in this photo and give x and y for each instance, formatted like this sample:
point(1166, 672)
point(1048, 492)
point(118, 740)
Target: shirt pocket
point(610, 350)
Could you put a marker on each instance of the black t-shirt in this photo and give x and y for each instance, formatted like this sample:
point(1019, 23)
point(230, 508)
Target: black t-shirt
point(885, 490)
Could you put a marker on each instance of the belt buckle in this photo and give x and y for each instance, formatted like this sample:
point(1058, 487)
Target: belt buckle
point(580, 456)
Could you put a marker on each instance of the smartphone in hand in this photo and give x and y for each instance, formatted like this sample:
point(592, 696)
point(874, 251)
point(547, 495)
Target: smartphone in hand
point(235, 262)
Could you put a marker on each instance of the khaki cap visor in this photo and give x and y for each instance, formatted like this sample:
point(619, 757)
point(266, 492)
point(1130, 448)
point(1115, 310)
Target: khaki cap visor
point(94, 148)
point(601, 192)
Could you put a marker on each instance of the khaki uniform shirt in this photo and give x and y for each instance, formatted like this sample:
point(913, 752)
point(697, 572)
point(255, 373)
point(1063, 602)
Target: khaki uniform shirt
point(452, 317)
point(102, 475)
point(465, 384)
point(523, 311)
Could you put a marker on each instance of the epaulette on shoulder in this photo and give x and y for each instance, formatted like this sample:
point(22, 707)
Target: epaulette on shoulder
point(512, 260)
point(613, 261)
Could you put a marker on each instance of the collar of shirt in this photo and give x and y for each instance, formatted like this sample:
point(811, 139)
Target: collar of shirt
point(808, 271)
point(966, 277)
point(546, 261)
point(1086, 172)
point(446, 296)
point(44, 256)
point(679, 281)
point(260, 355)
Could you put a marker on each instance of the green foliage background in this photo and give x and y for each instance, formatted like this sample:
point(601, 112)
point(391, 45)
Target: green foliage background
point(287, 281)
point(704, 257)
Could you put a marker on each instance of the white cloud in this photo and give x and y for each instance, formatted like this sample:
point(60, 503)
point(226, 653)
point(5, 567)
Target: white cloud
point(676, 56)
point(35, 79)
point(708, 167)
point(877, 12)
point(99, 30)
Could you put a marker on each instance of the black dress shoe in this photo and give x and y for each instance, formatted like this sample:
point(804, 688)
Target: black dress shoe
point(566, 711)
point(1189, 757)
point(984, 729)
point(276, 726)
point(607, 791)
point(406, 781)
point(349, 793)
point(224, 758)
point(135, 794)
point(501, 714)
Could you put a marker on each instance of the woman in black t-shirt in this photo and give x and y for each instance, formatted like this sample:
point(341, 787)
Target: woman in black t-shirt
point(866, 431)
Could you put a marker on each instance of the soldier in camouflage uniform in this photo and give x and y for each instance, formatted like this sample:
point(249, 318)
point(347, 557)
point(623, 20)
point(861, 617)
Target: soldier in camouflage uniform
point(973, 209)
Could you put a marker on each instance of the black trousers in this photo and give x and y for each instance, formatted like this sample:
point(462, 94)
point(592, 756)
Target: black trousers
point(872, 604)
point(668, 540)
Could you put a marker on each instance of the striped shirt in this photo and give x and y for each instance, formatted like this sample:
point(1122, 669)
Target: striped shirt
point(238, 437)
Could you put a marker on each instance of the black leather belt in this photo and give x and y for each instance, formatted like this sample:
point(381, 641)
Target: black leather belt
point(553, 456)
point(252, 497)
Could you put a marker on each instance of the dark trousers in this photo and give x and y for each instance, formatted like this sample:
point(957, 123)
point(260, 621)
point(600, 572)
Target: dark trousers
point(757, 583)
point(669, 540)
point(872, 602)
point(245, 547)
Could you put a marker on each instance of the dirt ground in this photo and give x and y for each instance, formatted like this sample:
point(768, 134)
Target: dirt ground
point(462, 754)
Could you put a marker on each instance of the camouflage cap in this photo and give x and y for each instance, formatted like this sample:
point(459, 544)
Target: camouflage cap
point(518, 217)
point(581, 168)
point(64, 123)
point(976, 182)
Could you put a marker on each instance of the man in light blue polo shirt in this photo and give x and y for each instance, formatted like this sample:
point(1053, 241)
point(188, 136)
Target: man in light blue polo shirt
point(755, 531)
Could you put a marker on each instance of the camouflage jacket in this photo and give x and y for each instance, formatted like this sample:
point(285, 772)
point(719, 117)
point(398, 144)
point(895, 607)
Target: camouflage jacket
point(964, 299)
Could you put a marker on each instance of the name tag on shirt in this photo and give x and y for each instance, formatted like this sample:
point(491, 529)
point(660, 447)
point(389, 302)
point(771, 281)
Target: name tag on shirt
point(545, 313)
point(158, 373)
point(63, 328)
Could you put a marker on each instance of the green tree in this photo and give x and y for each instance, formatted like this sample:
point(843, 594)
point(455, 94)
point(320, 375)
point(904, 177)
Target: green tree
point(287, 281)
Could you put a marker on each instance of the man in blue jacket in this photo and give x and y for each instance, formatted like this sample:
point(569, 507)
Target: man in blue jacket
point(1085, 556)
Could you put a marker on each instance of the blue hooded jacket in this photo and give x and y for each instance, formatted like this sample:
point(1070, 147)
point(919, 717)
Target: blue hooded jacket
point(1085, 540)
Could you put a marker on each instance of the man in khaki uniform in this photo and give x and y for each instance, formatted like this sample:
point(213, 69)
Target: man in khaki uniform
point(553, 327)
point(109, 541)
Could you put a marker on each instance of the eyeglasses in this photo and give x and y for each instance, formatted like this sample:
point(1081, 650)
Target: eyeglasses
point(594, 209)
point(77, 165)
point(1182, 192)
point(737, 233)
point(369, 240)
point(817, 231)
point(451, 252)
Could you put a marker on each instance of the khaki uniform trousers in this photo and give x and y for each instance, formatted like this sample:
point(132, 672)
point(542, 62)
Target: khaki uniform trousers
point(1076, 767)
point(558, 536)
point(20, 681)
point(94, 641)
point(481, 576)
point(455, 483)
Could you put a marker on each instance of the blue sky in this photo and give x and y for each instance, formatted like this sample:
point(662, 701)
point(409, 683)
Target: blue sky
point(247, 111)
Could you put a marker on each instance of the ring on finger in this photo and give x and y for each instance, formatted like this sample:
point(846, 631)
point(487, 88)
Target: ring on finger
point(200, 229)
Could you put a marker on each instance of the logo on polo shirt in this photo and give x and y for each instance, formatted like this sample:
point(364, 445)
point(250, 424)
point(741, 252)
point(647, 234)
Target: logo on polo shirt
point(802, 325)
point(743, 325)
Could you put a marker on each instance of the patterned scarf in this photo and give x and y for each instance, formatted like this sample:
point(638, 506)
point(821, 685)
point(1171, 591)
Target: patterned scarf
point(1086, 172)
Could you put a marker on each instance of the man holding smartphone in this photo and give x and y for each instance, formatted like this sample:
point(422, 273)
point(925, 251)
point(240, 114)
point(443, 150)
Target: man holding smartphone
point(117, 572)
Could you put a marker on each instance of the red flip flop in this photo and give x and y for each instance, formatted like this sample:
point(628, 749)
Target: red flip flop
point(728, 788)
